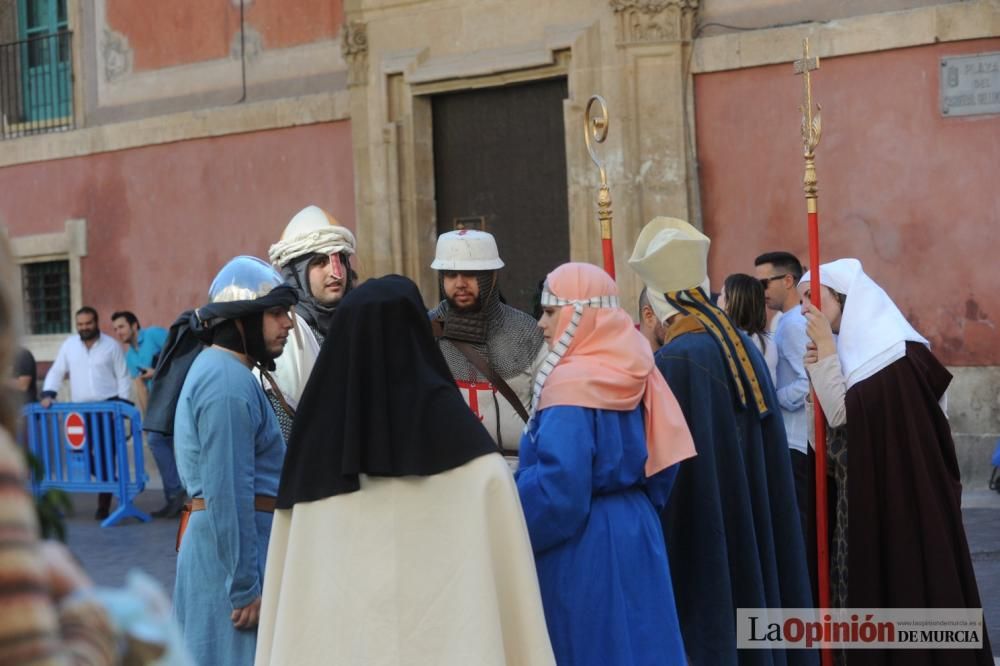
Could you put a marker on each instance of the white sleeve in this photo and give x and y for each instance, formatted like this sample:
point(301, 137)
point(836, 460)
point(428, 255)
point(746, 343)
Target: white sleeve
point(828, 380)
point(293, 367)
point(56, 374)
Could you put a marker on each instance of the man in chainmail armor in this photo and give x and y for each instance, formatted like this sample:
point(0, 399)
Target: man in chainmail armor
point(314, 256)
point(492, 349)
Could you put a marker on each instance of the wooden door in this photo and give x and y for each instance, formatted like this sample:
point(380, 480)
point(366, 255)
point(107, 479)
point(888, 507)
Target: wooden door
point(500, 164)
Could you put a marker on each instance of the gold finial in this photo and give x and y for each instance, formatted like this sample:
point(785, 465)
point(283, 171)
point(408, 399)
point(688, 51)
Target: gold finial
point(595, 130)
point(811, 125)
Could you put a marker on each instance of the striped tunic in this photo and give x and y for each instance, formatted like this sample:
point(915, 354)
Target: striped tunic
point(34, 629)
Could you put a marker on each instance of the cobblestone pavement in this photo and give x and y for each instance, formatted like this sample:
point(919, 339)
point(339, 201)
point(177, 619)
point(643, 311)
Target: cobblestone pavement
point(108, 554)
point(981, 515)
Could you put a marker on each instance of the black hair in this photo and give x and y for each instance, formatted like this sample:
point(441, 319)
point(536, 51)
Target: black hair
point(785, 261)
point(127, 316)
point(86, 309)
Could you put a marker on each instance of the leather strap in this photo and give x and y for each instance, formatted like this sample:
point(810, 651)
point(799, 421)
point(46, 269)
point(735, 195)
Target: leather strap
point(263, 503)
point(264, 373)
point(277, 391)
point(482, 366)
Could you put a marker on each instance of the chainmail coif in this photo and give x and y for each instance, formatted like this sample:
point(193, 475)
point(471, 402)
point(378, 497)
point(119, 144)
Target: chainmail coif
point(508, 338)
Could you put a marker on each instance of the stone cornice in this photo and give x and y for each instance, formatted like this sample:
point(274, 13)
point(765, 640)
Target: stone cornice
point(236, 119)
point(860, 34)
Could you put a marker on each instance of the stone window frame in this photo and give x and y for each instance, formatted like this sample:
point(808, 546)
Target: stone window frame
point(68, 245)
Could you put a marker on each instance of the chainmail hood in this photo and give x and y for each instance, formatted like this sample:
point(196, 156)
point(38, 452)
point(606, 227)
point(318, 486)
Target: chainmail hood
point(316, 314)
point(508, 338)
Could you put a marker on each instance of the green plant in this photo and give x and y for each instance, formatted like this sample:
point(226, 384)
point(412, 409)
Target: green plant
point(52, 505)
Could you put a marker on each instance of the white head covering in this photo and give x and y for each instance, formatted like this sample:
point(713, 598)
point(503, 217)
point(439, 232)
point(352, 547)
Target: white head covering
point(873, 332)
point(312, 230)
point(670, 255)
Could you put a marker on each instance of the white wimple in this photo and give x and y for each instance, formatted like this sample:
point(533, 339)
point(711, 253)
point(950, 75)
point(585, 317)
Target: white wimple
point(559, 349)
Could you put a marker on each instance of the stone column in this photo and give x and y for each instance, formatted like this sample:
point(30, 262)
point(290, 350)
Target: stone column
point(354, 47)
point(655, 37)
point(643, 72)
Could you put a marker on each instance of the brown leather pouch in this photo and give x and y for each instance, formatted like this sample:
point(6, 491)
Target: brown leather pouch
point(182, 524)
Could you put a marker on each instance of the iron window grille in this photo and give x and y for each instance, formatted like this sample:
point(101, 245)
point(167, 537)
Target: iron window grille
point(46, 297)
point(36, 85)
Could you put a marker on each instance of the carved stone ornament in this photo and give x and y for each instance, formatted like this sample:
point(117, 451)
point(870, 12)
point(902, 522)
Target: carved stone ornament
point(117, 55)
point(354, 47)
point(651, 21)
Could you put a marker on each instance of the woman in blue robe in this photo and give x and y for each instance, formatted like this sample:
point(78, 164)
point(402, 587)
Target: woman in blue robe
point(229, 451)
point(596, 464)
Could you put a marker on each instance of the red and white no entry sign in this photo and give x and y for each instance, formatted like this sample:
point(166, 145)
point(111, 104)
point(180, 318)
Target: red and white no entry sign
point(76, 431)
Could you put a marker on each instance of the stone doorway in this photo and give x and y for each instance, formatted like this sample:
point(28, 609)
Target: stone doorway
point(500, 165)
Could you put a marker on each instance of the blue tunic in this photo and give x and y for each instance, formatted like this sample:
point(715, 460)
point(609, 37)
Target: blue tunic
point(228, 449)
point(599, 550)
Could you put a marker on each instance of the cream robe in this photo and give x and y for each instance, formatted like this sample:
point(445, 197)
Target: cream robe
point(409, 571)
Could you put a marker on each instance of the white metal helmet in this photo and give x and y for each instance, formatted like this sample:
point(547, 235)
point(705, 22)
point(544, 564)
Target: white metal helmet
point(312, 230)
point(243, 278)
point(466, 250)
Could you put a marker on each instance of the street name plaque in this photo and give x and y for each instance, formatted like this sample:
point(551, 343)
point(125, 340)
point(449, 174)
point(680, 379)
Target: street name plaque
point(970, 85)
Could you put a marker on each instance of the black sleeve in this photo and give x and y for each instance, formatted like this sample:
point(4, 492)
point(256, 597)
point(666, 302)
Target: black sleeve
point(24, 364)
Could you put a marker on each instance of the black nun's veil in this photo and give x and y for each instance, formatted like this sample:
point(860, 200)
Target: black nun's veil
point(380, 400)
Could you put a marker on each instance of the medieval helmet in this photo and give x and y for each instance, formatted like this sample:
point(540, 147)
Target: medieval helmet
point(244, 289)
point(466, 250)
point(311, 231)
point(243, 279)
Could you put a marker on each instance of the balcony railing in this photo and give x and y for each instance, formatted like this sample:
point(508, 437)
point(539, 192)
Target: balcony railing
point(36, 85)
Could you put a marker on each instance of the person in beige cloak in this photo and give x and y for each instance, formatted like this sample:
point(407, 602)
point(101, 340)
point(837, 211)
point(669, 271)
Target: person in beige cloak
point(399, 536)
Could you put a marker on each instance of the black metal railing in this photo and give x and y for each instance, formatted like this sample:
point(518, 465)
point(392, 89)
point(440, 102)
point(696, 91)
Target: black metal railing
point(36, 85)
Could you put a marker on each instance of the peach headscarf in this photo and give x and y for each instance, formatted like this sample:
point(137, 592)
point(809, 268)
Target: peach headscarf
point(600, 361)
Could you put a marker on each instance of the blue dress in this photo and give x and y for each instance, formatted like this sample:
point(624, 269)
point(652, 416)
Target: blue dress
point(229, 448)
point(592, 516)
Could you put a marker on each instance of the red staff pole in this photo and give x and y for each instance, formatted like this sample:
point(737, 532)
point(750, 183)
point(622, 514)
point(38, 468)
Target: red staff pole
point(595, 130)
point(811, 129)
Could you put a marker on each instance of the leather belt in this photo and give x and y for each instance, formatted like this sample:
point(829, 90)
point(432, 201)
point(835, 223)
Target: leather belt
point(264, 503)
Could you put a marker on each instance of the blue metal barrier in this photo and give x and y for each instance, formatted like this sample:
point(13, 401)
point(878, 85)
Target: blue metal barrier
point(89, 447)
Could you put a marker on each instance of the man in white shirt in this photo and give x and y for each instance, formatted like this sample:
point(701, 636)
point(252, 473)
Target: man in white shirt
point(779, 273)
point(97, 371)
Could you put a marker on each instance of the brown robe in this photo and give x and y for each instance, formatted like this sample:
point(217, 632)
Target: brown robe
point(907, 542)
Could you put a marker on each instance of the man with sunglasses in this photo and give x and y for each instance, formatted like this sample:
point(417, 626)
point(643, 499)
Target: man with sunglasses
point(779, 274)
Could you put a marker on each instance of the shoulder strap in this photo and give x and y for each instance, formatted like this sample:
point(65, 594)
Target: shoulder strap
point(484, 367)
point(277, 391)
point(266, 375)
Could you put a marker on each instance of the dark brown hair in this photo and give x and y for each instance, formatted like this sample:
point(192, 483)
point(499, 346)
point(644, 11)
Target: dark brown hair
point(745, 303)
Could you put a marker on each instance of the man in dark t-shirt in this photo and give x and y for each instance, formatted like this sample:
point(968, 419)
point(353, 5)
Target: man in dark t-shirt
point(25, 376)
